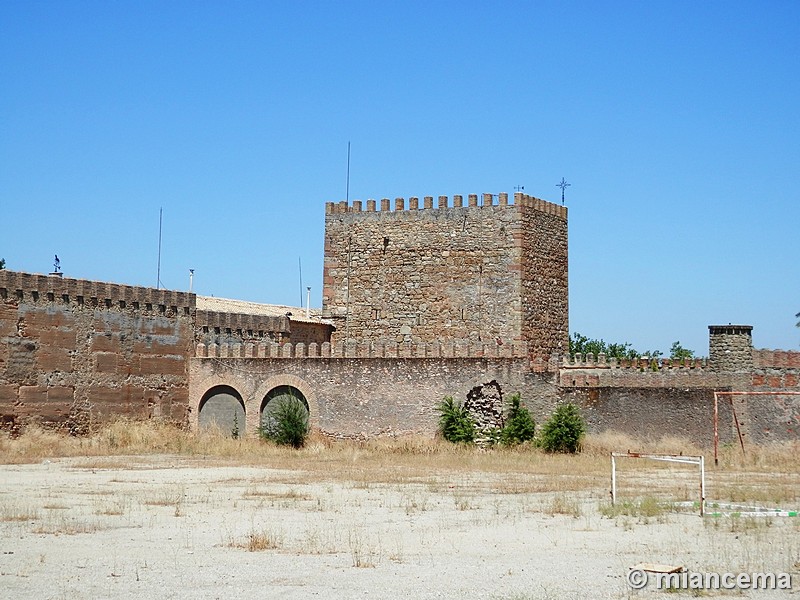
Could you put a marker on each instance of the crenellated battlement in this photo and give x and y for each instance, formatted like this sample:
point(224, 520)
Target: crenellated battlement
point(385, 205)
point(241, 324)
point(590, 361)
point(776, 359)
point(589, 371)
point(352, 349)
point(16, 285)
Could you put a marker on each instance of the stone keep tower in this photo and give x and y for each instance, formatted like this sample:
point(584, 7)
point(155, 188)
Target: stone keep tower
point(481, 272)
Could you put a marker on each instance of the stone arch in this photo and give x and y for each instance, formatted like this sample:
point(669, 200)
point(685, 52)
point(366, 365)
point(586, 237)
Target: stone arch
point(286, 380)
point(222, 406)
point(275, 396)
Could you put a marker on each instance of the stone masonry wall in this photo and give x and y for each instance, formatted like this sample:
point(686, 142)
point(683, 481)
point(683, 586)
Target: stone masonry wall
point(425, 274)
point(730, 347)
point(73, 350)
point(651, 399)
point(545, 285)
point(365, 397)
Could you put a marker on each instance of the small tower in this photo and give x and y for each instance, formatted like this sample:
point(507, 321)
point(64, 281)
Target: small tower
point(730, 348)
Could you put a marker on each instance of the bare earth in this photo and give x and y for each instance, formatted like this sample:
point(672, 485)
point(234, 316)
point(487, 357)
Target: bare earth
point(173, 527)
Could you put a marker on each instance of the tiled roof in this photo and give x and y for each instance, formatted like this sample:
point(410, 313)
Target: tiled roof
point(243, 307)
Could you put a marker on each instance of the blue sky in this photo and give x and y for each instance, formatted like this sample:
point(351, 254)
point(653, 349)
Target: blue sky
point(676, 123)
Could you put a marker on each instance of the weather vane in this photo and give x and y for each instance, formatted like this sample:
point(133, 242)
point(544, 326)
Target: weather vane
point(563, 185)
point(57, 265)
point(519, 188)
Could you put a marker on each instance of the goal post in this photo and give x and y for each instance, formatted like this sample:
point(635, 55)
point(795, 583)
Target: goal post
point(688, 460)
point(730, 396)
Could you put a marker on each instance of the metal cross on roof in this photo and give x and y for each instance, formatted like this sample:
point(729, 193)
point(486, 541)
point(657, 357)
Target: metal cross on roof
point(563, 185)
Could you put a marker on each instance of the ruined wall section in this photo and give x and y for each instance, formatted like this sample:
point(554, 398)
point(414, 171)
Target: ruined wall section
point(74, 351)
point(424, 274)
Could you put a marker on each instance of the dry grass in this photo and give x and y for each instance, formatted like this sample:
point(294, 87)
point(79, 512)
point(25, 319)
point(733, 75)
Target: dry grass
point(767, 475)
point(259, 540)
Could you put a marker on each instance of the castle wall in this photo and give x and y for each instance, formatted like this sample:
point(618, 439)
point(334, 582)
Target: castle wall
point(422, 274)
point(544, 276)
point(215, 327)
point(73, 350)
point(354, 393)
point(649, 398)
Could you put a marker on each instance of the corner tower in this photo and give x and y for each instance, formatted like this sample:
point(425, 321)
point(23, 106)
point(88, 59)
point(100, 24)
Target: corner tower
point(484, 271)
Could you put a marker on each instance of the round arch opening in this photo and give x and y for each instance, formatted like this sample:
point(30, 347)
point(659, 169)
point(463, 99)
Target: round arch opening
point(275, 398)
point(222, 407)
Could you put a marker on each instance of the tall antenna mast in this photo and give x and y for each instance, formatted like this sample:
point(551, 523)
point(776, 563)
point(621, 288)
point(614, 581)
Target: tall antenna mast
point(158, 274)
point(563, 185)
point(347, 192)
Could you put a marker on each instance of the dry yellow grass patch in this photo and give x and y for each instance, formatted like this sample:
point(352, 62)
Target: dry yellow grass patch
point(772, 474)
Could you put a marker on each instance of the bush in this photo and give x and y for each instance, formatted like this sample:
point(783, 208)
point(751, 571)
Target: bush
point(286, 424)
point(455, 423)
point(564, 430)
point(520, 426)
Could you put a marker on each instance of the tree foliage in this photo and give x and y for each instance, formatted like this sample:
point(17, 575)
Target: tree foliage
point(2, 263)
point(581, 344)
point(564, 430)
point(520, 426)
point(287, 424)
point(455, 423)
point(678, 352)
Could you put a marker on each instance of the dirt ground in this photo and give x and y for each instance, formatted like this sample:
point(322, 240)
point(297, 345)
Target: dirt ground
point(176, 527)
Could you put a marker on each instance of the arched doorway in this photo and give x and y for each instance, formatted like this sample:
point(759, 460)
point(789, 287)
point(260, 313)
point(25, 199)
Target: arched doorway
point(222, 407)
point(275, 398)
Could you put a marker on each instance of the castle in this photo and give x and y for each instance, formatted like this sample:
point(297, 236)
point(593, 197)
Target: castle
point(419, 302)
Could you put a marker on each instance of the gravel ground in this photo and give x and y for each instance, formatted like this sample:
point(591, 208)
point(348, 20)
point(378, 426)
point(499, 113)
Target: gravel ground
point(168, 527)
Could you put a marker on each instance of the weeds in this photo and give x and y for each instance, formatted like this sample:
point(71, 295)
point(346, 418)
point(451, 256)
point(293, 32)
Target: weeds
point(287, 423)
point(646, 507)
point(455, 423)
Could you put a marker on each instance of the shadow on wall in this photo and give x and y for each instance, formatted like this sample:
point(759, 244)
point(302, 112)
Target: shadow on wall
point(223, 408)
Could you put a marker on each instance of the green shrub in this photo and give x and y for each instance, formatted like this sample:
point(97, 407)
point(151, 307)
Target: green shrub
point(520, 426)
point(287, 423)
point(455, 423)
point(564, 430)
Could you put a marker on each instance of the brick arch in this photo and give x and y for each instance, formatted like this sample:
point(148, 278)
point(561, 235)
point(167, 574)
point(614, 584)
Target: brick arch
point(266, 386)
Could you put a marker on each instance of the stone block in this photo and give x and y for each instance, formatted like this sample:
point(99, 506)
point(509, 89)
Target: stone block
point(9, 394)
point(105, 362)
point(8, 320)
point(105, 342)
point(57, 338)
point(32, 394)
point(163, 365)
point(52, 359)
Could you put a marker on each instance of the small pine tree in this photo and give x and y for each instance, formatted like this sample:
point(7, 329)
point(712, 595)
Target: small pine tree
point(287, 425)
point(520, 426)
point(455, 423)
point(564, 430)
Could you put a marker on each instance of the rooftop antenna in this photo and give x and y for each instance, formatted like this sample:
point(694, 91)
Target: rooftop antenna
point(191, 277)
point(300, 267)
point(308, 302)
point(563, 185)
point(347, 190)
point(158, 274)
